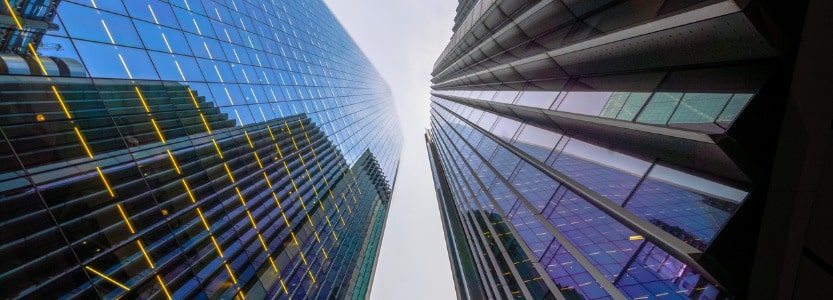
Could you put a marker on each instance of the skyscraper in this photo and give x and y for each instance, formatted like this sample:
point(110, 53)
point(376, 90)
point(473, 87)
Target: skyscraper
point(189, 149)
point(633, 149)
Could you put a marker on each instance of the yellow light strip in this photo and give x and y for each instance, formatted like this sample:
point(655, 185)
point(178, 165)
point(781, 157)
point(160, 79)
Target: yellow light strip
point(257, 158)
point(217, 147)
point(37, 58)
point(289, 130)
point(270, 132)
point(635, 237)
point(239, 195)
point(61, 101)
point(193, 98)
point(111, 280)
point(217, 246)
point(280, 153)
point(268, 182)
point(303, 258)
point(285, 219)
point(145, 253)
point(325, 253)
point(106, 184)
point(161, 137)
point(173, 161)
point(251, 145)
point(204, 122)
point(310, 275)
point(83, 143)
point(225, 165)
point(14, 15)
point(263, 242)
point(293, 143)
point(278, 202)
point(274, 266)
point(293, 237)
point(230, 273)
point(204, 221)
point(283, 285)
point(142, 98)
point(188, 189)
point(164, 288)
point(126, 220)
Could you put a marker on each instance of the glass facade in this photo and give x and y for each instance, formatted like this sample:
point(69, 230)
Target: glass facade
point(586, 149)
point(189, 149)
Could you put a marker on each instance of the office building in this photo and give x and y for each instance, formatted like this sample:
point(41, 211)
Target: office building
point(189, 150)
point(635, 149)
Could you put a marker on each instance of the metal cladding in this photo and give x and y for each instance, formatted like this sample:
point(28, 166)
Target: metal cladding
point(599, 149)
point(190, 149)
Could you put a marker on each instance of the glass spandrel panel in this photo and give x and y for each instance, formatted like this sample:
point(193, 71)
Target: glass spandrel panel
point(690, 207)
point(161, 38)
point(90, 24)
point(614, 105)
point(505, 128)
point(609, 173)
point(734, 107)
point(536, 99)
point(108, 61)
point(585, 103)
point(632, 106)
point(112, 6)
point(153, 11)
point(505, 96)
point(699, 108)
point(660, 108)
point(536, 141)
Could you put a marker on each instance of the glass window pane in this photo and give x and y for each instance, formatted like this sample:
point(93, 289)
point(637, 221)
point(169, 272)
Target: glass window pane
point(632, 106)
point(734, 107)
point(659, 109)
point(91, 24)
point(586, 103)
point(108, 61)
point(614, 105)
point(699, 108)
point(537, 99)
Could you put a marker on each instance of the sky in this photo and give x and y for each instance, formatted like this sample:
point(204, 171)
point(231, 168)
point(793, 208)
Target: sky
point(403, 38)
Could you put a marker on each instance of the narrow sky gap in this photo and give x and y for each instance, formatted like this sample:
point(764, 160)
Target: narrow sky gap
point(402, 39)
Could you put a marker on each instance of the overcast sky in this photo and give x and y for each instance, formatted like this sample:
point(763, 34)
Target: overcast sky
point(402, 38)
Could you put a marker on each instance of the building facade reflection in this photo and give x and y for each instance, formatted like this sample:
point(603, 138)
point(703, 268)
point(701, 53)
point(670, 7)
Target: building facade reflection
point(190, 150)
point(607, 149)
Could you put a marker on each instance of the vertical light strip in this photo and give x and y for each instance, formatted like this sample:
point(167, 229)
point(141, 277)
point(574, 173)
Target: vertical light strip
point(173, 161)
point(145, 253)
point(164, 288)
point(37, 58)
point(61, 101)
point(126, 219)
point(142, 98)
point(106, 184)
point(159, 132)
point(14, 15)
point(107, 30)
point(123, 64)
point(84, 143)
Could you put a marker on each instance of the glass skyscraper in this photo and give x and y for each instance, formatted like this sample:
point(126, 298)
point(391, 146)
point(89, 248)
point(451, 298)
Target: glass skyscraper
point(189, 149)
point(612, 149)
